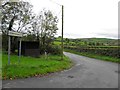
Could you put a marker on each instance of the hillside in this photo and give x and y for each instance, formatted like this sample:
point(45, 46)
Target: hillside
point(90, 41)
point(105, 41)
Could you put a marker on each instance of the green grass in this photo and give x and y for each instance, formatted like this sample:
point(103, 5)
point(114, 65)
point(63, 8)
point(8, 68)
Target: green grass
point(100, 57)
point(30, 66)
point(57, 43)
point(0, 66)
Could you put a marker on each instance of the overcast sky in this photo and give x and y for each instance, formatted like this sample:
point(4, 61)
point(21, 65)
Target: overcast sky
point(84, 18)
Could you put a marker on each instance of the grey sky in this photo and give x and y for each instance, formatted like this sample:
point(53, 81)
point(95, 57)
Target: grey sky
point(84, 18)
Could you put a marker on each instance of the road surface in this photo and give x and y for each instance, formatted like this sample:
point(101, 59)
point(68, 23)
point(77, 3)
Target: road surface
point(86, 73)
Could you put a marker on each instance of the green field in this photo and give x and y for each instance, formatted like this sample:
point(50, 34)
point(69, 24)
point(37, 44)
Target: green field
point(0, 65)
point(30, 66)
point(57, 43)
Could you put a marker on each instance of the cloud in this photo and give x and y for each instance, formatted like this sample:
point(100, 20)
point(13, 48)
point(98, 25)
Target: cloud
point(108, 35)
point(104, 33)
point(84, 18)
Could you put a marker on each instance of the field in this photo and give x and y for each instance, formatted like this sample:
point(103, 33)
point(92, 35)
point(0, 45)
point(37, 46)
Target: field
point(30, 66)
point(100, 48)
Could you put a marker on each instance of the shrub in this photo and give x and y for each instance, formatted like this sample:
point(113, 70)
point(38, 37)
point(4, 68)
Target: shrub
point(54, 49)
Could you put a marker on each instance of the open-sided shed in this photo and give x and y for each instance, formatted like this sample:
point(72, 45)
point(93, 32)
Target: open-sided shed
point(30, 48)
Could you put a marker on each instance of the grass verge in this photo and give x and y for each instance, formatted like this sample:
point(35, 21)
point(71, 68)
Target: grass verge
point(30, 66)
point(100, 57)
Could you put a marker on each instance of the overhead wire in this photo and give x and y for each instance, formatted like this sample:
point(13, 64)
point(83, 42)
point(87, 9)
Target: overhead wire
point(57, 4)
point(59, 15)
point(54, 2)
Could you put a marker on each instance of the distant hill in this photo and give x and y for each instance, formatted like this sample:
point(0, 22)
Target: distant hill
point(105, 41)
point(98, 39)
point(89, 41)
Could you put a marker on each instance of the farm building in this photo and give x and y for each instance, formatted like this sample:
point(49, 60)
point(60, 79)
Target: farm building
point(30, 48)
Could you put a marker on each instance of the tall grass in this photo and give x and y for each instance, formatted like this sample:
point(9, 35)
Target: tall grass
point(30, 66)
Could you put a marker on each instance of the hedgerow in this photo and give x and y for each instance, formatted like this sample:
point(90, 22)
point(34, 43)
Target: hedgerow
point(107, 51)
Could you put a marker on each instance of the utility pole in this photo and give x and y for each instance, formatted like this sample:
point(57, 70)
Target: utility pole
point(62, 28)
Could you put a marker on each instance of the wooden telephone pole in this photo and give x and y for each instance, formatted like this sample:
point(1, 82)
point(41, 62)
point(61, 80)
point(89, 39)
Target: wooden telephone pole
point(62, 29)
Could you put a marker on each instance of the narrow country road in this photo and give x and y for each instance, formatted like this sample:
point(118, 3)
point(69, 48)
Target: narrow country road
point(87, 73)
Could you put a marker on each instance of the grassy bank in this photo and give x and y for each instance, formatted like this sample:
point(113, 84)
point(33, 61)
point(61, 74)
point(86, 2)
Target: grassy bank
point(30, 66)
point(100, 57)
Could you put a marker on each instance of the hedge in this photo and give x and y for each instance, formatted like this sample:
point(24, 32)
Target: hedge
point(108, 51)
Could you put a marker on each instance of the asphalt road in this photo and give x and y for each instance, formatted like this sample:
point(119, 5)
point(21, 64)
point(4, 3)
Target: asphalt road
point(87, 73)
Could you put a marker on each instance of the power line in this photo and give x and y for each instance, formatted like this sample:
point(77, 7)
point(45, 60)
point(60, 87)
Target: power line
point(54, 2)
point(57, 4)
point(62, 26)
point(59, 13)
